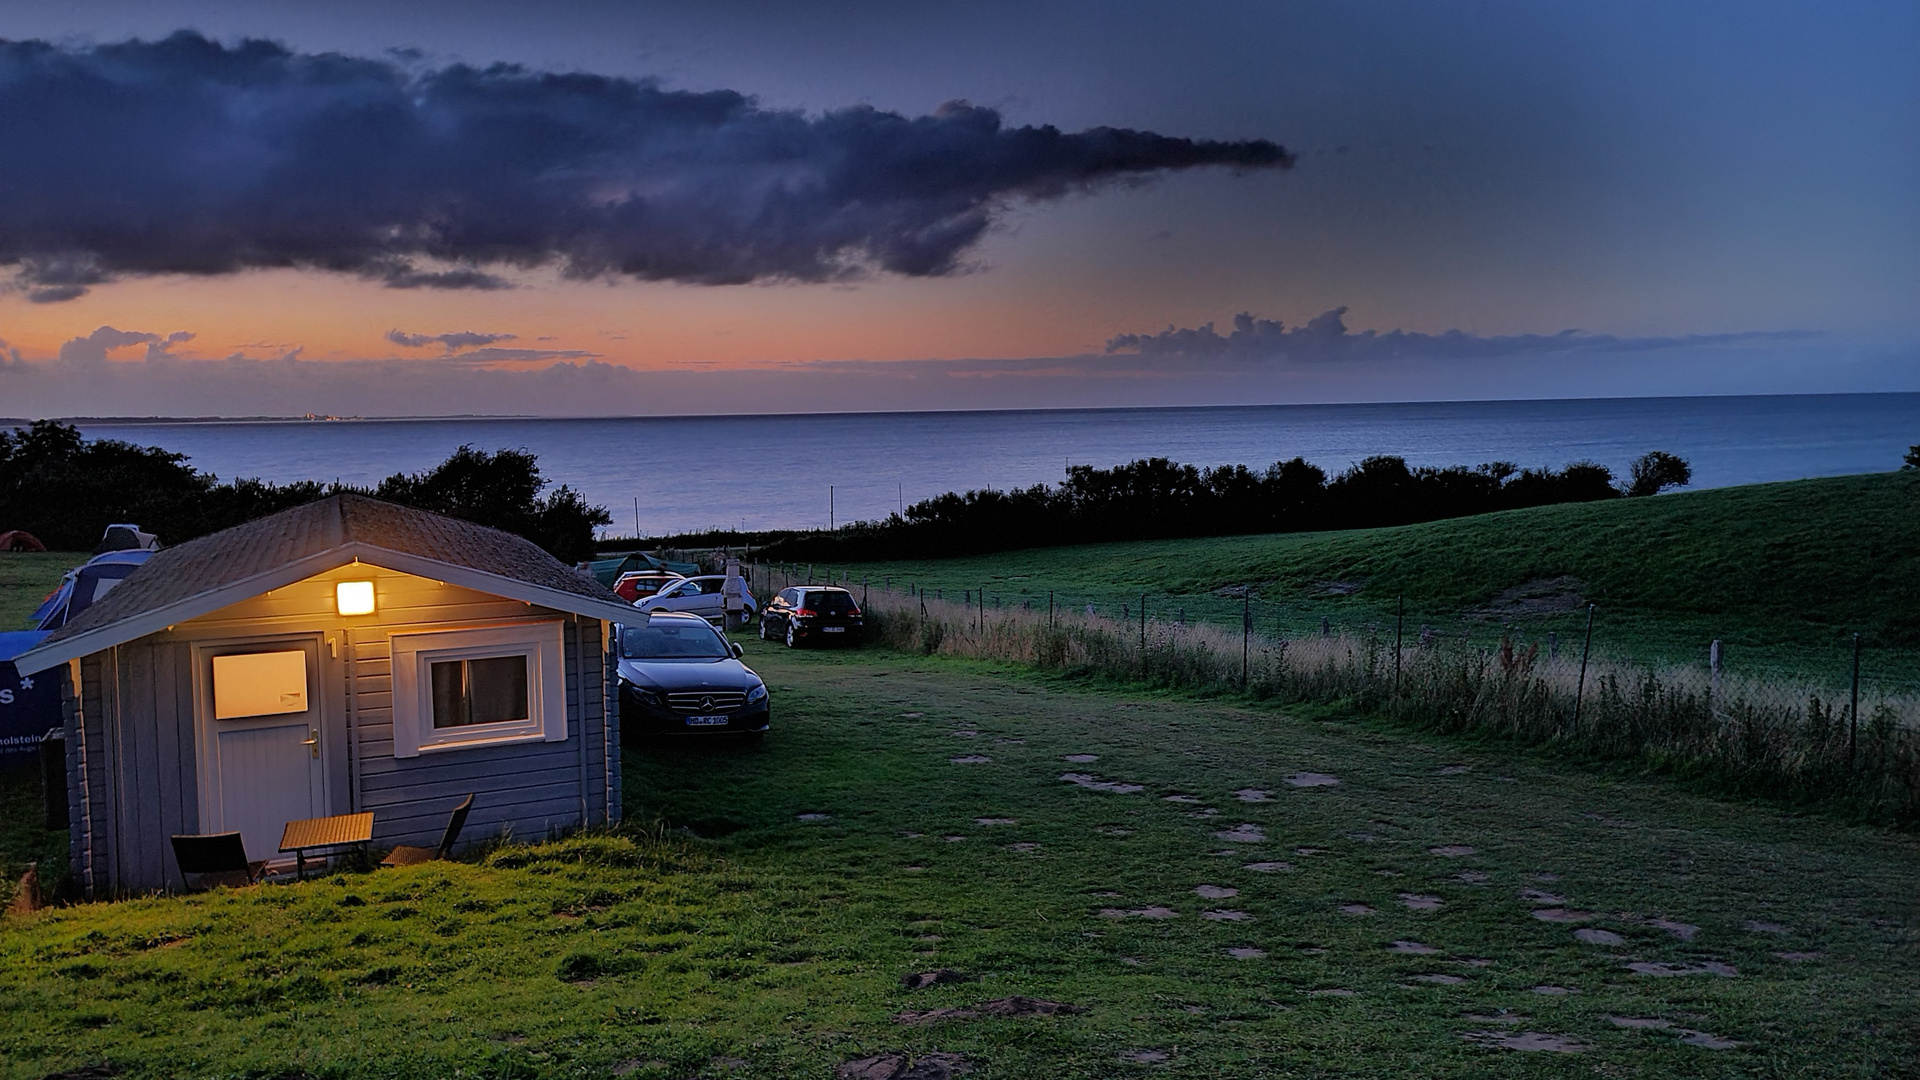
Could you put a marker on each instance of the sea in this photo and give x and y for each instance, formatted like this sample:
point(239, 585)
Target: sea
point(664, 475)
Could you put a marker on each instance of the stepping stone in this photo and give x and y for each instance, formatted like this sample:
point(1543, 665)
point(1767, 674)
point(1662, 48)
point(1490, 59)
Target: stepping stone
point(1182, 798)
point(816, 817)
point(991, 821)
point(1667, 971)
point(1756, 927)
point(912, 715)
point(897, 1066)
point(1388, 873)
point(1304, 852)
point(1335, 992)
point(953, 839)
point(1253, 795)
point(1593, 936)
point(1355, 909)
point(1799, 957)
point(1473, 962)
point(1438, 979)
point(1683, 931)
point(1115, 830)
point(1535, 896)
point(1205, 813)
point(1639, 1023)
point(1094, 784)
point(1214, 892)
point(937, 977)
point(1471, 877)
point(1312, 779)
point(1082, 759)
point(970, 759)
point(1553, 991)
point(1024, 846)
point(1557, 914)
point(911, 835)
point(1152, 912)
point(1416, 902)
point(1451, 851)
point(1546, 877)
point(1455, 770)
point(1243, 833)
point(1245, 952)
point(1267, 867)
point(1226, 916)
point(1701, 1038)
point(1144, 1057)
point(1412, 948)
point(1529, 1041)
point(967, 734)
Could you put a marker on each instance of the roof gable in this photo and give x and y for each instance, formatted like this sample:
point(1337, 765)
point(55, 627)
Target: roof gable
point(206, 574)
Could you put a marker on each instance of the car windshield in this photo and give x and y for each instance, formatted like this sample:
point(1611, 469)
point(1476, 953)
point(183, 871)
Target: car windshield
point(835, 602)
point(676, 641)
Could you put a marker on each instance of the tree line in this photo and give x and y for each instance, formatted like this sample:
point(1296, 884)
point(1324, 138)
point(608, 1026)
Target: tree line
point(1154, 499)
point(66, 489)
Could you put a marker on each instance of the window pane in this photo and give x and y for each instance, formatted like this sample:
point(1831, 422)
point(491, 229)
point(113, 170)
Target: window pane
point(497, 689)
point(450, 694)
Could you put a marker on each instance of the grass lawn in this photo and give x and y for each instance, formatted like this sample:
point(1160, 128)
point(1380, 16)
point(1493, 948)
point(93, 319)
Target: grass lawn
point(26, 577)
point(908, 815)
point(1782, 573)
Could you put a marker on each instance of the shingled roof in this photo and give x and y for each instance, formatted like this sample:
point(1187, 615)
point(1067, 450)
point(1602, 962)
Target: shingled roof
point(207, 574)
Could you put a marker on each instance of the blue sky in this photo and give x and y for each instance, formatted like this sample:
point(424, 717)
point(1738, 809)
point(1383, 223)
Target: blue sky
point(1664, 174)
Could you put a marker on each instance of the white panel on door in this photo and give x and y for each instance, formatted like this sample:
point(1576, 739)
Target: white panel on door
point(259, 684)
point(266, 780)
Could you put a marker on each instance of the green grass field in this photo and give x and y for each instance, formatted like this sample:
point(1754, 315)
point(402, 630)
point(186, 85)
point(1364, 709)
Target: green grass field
point(1782, 573)
point(763, 927)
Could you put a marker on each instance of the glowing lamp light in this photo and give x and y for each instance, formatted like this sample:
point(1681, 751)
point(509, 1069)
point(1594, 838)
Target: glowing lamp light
point(354, 597)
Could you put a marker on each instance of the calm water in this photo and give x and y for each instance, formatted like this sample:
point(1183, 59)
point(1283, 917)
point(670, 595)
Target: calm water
point(769, 472)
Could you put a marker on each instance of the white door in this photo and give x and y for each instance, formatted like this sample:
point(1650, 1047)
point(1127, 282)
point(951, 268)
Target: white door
point(260, 740)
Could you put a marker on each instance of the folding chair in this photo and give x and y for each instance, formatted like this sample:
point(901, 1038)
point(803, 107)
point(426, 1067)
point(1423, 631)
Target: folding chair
point(406, 855)
point(215, 859)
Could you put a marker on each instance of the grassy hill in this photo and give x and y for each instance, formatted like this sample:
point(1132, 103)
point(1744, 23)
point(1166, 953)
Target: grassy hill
point(1784, 573)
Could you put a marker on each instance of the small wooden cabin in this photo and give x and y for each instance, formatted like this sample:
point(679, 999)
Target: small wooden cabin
point(345, 656)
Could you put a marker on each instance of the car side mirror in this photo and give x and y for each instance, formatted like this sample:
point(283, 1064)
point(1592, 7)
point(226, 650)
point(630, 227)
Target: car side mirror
point(736, 650)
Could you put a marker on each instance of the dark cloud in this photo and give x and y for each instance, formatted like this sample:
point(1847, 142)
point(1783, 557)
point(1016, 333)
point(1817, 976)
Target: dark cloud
point(1326, 338)
point(189, 156)
point(453, 342)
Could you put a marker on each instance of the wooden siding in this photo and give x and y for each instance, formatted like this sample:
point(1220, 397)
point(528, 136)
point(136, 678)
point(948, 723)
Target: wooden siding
point(138, 774)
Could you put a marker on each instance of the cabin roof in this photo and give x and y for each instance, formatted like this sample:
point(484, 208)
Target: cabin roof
point(204, 575)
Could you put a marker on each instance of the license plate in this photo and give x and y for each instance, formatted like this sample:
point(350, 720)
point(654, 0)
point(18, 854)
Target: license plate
point(833, 629)
point(705, 721)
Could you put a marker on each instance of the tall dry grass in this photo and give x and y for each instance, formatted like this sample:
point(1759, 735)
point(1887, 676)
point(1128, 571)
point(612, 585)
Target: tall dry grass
point(1746, 736)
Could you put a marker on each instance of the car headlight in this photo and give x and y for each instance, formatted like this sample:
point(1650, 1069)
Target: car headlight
point(758, 693)
point(646, 697)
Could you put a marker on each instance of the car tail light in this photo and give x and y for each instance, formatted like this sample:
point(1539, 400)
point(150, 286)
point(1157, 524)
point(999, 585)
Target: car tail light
point(854, 614)
point(804, 613)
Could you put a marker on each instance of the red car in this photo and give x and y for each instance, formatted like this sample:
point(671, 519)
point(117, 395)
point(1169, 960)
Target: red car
point(636, 585)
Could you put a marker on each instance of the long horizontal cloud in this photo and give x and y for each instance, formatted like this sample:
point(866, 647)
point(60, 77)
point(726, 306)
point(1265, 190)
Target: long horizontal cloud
point(192, 157)
point(451, 342)
point(1325, 338)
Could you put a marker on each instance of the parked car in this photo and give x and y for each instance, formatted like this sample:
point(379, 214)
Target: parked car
point(679, 675)
point(636, 585)
point(700, 596)
point(807, 613)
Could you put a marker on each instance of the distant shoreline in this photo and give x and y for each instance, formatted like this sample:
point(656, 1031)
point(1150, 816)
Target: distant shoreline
point(155, 421)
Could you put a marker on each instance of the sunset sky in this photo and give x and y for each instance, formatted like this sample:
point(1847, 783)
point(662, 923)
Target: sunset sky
point(739, 207)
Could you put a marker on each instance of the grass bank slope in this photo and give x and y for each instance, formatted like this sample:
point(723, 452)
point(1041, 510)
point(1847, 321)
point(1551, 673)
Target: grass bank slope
point(1798, 565)
point(1217, 891)
point(26, 577)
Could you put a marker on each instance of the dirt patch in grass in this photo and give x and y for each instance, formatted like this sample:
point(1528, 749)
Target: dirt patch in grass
point(1535, 599)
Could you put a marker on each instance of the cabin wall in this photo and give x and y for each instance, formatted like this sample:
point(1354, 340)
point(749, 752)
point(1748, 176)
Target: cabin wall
point(131, 731)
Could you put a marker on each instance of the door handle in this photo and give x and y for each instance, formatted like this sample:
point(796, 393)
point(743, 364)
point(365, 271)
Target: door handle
point(312, 741)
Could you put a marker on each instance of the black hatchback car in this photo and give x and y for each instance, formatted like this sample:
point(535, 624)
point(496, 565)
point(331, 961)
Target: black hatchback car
point(677, 674)
point(811, 613)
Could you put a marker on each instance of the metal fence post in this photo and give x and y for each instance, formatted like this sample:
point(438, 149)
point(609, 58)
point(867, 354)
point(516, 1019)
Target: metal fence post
point(1580, 688)
point(1853, 714)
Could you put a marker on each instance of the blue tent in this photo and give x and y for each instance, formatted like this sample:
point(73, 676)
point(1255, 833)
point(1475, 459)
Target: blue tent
point(85, 584)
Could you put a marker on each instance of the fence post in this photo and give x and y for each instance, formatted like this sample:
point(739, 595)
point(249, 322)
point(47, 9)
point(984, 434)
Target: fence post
point(1049, 610)
point(1713, 668)
point(1853, 714)
point(983, 610)
point(1580, 688)
point(1143, 624)
point(863, 593)
point(1246, 635)
point(1399, 630)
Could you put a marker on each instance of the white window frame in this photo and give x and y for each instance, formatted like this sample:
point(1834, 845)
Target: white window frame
point(415, 653)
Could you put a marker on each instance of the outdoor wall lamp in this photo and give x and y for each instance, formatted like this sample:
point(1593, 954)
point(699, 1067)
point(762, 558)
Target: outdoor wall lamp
point(353, 597)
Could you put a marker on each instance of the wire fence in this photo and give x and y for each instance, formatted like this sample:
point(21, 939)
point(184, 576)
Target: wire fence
point(1778, 733)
